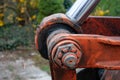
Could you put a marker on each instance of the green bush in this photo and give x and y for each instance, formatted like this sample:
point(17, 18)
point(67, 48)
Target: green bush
point(21, 12)
point(104, 8)
point(67, 4)
point(48, 7)
point(14, 36)
point(108, 8)
point(17, 23)
point(16, 12)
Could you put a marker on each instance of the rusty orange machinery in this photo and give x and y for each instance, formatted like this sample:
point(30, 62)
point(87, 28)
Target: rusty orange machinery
point(96, 44)
point(74, 40)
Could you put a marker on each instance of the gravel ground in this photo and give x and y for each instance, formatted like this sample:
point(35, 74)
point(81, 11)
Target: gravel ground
point(13, 67)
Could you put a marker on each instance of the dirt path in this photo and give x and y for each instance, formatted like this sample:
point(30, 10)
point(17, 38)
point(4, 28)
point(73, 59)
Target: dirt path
point(16, 67)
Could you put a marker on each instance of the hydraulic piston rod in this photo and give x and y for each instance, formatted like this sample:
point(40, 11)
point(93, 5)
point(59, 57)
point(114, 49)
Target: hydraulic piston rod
point(81, 9)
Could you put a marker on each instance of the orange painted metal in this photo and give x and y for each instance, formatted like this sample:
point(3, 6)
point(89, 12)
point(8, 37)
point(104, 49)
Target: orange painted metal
point(99, 45)
point(108, 26)
point(54, 19)
point(62, 74)
point(47, 24)
point(97, 51)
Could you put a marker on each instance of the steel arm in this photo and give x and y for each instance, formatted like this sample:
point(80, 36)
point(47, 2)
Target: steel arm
point(60, 39)
point(107, 26)
point(95, 51)
point(98, 51)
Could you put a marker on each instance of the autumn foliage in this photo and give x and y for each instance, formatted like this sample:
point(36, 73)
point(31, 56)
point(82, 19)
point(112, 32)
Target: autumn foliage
point(18, 11)
point(20, 18)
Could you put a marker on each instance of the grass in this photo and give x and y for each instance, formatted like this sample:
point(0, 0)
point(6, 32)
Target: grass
point(41, 62)
point(26, 53)
point(112, 5)
point(10, 68)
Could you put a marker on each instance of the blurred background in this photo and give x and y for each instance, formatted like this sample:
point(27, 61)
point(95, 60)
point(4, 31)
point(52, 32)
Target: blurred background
point(20, 18)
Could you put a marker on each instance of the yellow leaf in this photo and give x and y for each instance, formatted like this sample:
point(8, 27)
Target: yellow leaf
point(1, 14)
point(101, 13)
point(1, 23)
point(107, 11)
point(13, 0)
point(34, 3)
point(22, 1)
point(33, 17)
point(22, 10)
point(10, 17)
point(19, 18)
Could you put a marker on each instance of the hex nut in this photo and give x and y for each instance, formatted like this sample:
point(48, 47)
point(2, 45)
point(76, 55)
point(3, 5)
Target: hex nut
point(67, 56)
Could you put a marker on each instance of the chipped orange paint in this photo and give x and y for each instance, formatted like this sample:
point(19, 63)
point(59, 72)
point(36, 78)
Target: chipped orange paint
point(98, 51)
point(100, 44)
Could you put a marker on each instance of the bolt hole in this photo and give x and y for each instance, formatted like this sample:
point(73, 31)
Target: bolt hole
point(70, 61)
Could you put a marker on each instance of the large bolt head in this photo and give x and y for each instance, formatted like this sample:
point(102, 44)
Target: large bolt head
point(68, 56)
point(69, 60)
